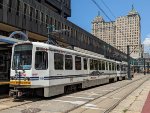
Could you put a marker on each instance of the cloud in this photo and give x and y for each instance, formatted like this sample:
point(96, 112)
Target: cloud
point(148, 35)
point(146, 41)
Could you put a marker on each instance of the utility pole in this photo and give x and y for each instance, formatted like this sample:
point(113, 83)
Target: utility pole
point(128, 58)
point(144, 66)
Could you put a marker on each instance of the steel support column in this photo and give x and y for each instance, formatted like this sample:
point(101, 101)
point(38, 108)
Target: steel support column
point(128, 58)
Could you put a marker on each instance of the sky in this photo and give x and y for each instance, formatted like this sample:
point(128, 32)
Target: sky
point(84, 11)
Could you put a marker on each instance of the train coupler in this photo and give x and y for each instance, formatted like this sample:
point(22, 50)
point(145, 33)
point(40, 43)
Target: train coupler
point(15, 93)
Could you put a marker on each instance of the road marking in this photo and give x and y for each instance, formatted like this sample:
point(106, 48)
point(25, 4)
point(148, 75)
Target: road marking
point(81, 97)
point(116, 98)
point(104, 97)
point(91, 93)
point(111, 98)
point(107, 90)
point(92, 106)
point(72, 102)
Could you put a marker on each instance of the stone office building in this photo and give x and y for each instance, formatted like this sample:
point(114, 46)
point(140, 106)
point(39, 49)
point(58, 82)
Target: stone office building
point(125, 30)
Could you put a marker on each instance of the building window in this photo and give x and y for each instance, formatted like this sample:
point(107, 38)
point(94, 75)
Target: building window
point(9, 5)
point(78, 63)
point(1, 4)
point(46, 20)
point(55, 24)
point(59, 25)
point(36, 15)
point(51, 21)
point(41, 60)
point(31, 13)
point(58, 61)
point(18, 7)
point(25, 10)
point(68, 62)
point(42, 17)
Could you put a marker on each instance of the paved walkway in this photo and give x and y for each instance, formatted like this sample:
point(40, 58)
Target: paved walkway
point(136, 102)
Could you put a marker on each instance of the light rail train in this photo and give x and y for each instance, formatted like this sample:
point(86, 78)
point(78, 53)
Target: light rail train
point(47, 70)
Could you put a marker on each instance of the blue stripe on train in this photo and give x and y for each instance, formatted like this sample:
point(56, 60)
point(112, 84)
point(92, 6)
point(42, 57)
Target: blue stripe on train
point(31, 78)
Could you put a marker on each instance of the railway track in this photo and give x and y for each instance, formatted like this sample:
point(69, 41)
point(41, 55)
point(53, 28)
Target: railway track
point(11, 103)
point(111, 97)
point(106, 103)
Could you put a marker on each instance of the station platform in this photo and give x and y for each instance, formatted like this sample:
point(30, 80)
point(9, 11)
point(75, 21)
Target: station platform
point(137, 102)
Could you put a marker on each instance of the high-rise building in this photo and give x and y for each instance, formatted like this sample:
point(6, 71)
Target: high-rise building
point(125, 30)
point(104, 30)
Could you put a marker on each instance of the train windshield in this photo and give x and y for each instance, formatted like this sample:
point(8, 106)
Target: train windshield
point(22, 57)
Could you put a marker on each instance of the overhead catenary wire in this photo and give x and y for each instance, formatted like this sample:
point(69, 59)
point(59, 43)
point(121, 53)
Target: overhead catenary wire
point(108, 9)
point(101, 9)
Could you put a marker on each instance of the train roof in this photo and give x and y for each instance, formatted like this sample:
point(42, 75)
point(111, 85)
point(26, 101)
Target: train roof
point(42, 44)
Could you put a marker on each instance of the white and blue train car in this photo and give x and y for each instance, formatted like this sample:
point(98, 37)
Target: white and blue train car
point(48, 70)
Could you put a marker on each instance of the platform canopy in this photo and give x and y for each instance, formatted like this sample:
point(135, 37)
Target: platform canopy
point(16, 36)
point(7, 42)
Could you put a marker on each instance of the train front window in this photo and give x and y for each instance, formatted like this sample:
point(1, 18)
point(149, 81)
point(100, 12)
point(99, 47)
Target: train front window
point(22, 57)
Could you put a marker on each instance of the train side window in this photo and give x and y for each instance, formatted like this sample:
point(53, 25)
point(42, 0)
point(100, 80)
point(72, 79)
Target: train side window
point(103, 65)
point(58, 61)
point(95, 64)
point(85, 63)
point(106, 65)
point(118, 67)
point(110, 66)
point(100, 65)
point(77, 63)
point(68, 62)
point(41, 60)
point(121, 67)
point(115, 66)
point(91, 64)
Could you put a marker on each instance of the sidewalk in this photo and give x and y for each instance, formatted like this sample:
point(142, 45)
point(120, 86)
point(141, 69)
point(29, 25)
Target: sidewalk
point(137, 102)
